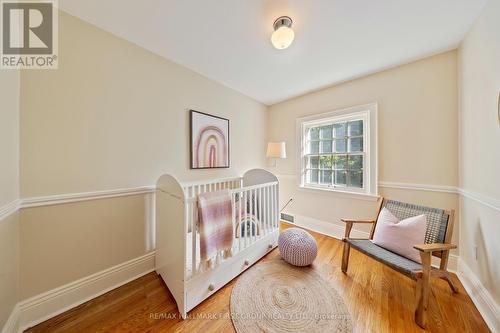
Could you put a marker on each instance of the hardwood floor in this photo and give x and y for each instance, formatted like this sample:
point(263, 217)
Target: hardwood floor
point(379, 299)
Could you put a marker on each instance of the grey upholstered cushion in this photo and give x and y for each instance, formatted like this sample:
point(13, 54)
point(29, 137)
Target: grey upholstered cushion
point(437, 219)
point(395, 261)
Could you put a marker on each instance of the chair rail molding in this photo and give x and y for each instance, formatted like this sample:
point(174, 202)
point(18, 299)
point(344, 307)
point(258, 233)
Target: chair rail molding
point(84, 196)
point(401, 185)
point(482, 199)
point(420, 187)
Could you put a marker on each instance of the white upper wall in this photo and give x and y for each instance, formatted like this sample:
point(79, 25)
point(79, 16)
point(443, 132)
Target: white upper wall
point(9, 136)
point(336, 40)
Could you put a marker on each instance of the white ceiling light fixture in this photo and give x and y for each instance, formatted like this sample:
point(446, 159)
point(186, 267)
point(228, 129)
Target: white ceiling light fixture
point(283, 34)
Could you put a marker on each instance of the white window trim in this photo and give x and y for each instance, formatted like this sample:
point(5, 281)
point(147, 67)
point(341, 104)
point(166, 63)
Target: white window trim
point(370, 138)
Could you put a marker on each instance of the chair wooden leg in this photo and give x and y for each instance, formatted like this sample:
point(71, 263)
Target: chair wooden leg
point(447, 278)
point(423, 290)
point(345, 256)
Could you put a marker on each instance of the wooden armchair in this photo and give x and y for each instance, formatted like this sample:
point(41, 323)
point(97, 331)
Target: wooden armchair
point(437, 243)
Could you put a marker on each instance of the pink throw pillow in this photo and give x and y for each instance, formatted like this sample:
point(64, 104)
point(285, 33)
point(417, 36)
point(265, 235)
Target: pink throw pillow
point(400, 236)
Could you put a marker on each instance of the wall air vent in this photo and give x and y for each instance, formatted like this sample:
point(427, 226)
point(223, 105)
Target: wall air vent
point(287, 217)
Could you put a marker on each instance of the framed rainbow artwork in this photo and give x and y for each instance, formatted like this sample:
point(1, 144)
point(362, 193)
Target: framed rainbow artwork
point(209, 141)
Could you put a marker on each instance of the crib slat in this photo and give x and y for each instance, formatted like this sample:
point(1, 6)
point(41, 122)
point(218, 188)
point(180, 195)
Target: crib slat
point(271, 207)
point(255, 211)
point(260, 212)
point(193, 238)
point(248, 228)
point(245, 207)
point(273, 200)
point(233, 213)
point(277, 209)
point(268, 207)
point(240, 215)
point(264, 212)
point(250, 233)
point(252, 203)
point(277, 206)
point(248, 242)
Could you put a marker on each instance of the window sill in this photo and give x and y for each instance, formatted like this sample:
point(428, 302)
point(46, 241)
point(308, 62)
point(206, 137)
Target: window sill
point(339, 193)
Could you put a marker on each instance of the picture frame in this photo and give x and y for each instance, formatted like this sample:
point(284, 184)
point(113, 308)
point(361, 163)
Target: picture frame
point(209, 141)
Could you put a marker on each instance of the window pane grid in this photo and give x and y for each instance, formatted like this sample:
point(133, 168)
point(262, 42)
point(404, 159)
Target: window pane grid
point(335, 154)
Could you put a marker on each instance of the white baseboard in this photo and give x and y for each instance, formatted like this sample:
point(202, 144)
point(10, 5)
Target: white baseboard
point(39, 308)
point(326, 228)
point(486, 305)
point(337, 231)
point(453, 260)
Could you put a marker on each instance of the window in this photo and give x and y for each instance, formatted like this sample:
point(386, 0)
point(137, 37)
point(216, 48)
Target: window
point(338, 151)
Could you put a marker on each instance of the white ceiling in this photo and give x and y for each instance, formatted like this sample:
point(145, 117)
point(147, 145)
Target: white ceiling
point(335, 40)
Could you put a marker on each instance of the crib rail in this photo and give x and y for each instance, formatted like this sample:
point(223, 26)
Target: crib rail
point(254, 215)
point(192, 189)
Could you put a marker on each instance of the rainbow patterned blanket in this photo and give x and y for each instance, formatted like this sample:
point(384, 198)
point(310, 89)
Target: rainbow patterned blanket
point(215, 227)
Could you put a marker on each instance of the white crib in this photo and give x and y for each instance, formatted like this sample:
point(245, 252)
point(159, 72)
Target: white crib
point(255, 221)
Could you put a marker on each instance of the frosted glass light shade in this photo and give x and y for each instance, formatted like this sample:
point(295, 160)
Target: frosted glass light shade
point(282, 37)
point(276, 150)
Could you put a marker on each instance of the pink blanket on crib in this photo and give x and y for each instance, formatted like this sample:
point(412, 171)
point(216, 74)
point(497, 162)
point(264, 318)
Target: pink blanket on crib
point(215, 226)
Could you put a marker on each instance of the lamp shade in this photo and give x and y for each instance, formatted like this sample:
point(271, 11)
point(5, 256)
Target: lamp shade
point(276, 149)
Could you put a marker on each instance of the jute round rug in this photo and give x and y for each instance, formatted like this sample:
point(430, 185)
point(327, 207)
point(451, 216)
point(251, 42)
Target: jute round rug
point(274, 296)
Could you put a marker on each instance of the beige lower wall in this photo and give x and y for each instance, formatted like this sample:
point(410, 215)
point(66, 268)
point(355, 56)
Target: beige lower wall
point(63, 243)
point(333, 207)
point(480, 228)
point(417, 136)
point(9, 265)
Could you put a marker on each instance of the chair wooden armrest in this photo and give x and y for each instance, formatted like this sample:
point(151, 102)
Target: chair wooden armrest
point(357, 221)
point(434, 247)
point(350, 222)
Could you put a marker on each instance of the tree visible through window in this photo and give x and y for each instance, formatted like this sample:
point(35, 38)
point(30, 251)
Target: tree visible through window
point(338, 150)
point(334, 154)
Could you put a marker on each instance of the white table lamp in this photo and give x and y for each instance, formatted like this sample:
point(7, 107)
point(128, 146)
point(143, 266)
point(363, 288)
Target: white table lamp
point(276, 150)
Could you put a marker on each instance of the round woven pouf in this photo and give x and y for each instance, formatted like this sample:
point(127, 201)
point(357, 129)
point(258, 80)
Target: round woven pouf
point(297, 247)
